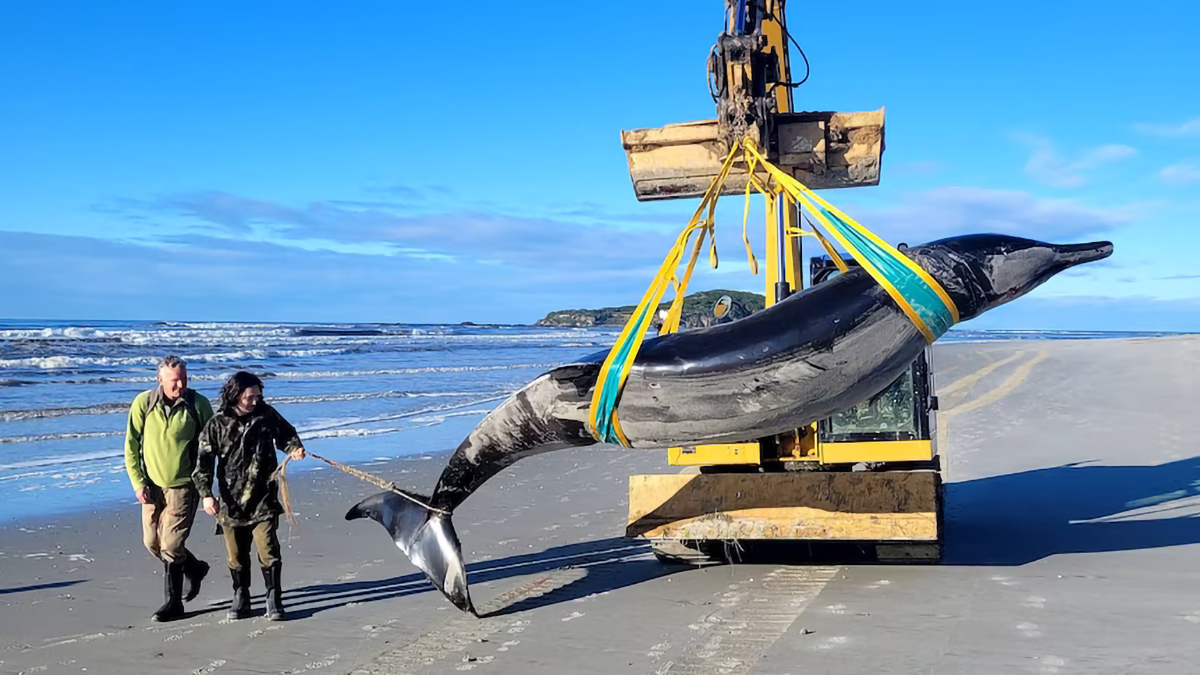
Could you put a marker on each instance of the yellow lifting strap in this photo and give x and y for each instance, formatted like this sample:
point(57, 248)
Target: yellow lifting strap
point(921, 298)
point(603, 421)
point(917, 293)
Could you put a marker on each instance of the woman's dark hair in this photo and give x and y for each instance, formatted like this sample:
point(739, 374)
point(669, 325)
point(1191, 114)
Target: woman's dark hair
point(234, 386)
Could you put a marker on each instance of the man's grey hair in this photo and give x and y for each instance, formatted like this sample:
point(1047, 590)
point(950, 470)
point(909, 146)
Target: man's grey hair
point(172, 362)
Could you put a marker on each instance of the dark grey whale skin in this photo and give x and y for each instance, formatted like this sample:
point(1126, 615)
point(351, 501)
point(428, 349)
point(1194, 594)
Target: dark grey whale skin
point(818, 352)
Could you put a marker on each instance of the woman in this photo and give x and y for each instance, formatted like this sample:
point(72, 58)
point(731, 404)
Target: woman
point(241, 440)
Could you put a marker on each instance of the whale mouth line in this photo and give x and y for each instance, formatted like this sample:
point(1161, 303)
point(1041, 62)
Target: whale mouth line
point(1070, 255)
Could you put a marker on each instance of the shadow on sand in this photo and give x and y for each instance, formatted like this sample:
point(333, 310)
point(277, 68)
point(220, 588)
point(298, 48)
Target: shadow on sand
point(1013, 519)
point(608, 564)
point(1018, 518)
point(41, 587)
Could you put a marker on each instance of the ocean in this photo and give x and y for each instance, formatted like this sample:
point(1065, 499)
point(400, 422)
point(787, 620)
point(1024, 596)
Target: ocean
point(357, 393)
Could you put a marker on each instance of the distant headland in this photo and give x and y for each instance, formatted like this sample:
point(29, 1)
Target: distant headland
point(697, 311)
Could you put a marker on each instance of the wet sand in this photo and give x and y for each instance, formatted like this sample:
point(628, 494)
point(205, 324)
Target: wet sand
point(1070, 548)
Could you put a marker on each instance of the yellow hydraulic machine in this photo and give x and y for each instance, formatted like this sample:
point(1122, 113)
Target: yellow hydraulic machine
point(869, 475)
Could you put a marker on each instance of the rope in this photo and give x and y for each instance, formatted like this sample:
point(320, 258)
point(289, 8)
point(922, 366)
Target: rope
point(603, 422)
point(917, 293)
point(920, 297)
point(280, 476)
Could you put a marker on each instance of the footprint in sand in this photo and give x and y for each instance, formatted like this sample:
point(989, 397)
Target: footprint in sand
point(324, 663)
point(705, 622)
point(469, 662)
point(209, 668)
point(1051, 664)
point(1029, 629)
point(508, 645)
point(832, 642)
point(732, 600)
point(737, 628)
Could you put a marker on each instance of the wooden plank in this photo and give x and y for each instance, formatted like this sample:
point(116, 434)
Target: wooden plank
point(821, 149)
point(832, 506)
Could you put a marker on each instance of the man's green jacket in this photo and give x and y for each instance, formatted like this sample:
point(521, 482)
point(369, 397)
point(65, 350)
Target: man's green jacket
point(161, 438)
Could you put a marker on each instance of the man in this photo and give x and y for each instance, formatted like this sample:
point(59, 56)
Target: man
point(160, 454)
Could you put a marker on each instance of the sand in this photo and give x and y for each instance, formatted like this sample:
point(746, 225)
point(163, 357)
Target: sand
point(1071, 548)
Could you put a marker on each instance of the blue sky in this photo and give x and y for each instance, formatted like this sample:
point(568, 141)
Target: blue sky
point(309, 161)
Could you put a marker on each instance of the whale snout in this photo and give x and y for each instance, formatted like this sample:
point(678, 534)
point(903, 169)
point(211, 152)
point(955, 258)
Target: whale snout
point(1068, 255)
point(1000, 268)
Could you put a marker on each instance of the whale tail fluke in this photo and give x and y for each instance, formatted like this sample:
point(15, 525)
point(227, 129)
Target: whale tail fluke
point(426, 537)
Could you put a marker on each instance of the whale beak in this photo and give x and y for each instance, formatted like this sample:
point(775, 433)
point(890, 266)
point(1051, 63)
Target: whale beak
point(1069, 255)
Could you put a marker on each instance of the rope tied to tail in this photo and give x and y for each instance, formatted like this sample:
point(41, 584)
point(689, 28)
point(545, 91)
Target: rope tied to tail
point(280, 476)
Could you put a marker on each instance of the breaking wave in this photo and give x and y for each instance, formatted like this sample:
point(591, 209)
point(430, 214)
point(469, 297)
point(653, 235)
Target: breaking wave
point(36, 438)
point(61, 362)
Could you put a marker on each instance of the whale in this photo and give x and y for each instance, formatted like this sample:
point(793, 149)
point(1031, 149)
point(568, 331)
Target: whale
point(817, 352)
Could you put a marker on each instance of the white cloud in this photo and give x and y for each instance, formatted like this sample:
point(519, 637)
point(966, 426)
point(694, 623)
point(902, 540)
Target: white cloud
point(1048, 166)
point(1180, 173)
point(1133, 313)
point(227, 279)
point(948, 211)
point(1188, 128)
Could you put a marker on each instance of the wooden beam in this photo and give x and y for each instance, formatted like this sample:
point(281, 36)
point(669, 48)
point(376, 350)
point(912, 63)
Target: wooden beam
point(828, 506)
point(821, 149)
